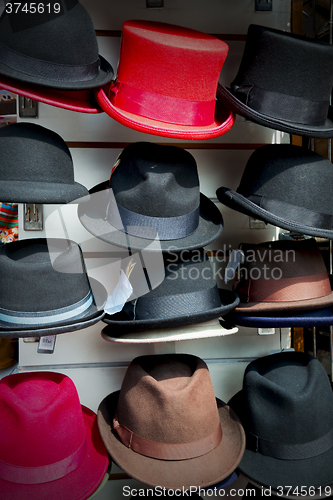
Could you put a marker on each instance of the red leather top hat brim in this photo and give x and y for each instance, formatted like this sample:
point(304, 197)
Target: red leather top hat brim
point(324, 131)
point(81, 101)
point(78, 484)
point(224, 120)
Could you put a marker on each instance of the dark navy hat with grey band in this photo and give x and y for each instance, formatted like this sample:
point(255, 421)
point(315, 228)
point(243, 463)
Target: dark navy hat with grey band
point(45, 289)
point(153, 195)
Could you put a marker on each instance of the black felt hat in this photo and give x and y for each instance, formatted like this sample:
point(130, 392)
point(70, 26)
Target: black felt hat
point(55, 46)
point(287, 186)
point(284, 82)
point(286, 408)
point(187, 295)
point(154, 196)
point(36, 166)
point(45, 290)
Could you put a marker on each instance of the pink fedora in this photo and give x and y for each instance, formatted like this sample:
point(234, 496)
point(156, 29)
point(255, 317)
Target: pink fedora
point(167, 82)
point(50, 444)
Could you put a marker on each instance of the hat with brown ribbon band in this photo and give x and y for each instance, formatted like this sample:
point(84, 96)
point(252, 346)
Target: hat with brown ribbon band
point(283, 276)
point(166, 428)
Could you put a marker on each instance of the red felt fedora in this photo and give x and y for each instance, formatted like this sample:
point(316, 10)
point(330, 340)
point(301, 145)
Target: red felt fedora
point(50, 444)
point(82, 101)
point(167, 82)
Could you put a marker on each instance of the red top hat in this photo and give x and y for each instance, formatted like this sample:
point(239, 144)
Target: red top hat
point(167, 82)
point(50, 444)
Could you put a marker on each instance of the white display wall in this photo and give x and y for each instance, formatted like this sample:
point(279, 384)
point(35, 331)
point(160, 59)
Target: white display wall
point(96, 366)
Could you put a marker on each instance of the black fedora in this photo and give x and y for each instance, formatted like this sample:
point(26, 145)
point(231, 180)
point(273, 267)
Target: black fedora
point(286, 408)
point(53, 45)
point(284, 82)
point(45, 289)
point(154, 195)
point(188, 295)
point(287, 186)
point(36, 166)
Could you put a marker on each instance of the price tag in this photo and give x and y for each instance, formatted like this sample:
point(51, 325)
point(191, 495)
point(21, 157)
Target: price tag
point(46, 344)
point(266, 331)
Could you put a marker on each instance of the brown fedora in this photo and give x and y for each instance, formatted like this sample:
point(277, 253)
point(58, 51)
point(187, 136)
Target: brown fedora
point(283, 276)
point(166, 428)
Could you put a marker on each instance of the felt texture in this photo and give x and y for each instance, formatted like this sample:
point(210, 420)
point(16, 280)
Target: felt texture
point(186, 274)
point(28, 268)
point(279, 402)
point(150, 53)
point(179, 389)
point(68, 38)
point(153, 180)
point(274, 262)
point(81, 101)
point(51, 400)
point(145, 42)
point(36, 166)
point(287, 65)
point(297, 178)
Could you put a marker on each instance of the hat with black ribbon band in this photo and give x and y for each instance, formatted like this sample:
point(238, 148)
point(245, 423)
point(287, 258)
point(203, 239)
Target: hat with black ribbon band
point(284, 82)
point(286, 407)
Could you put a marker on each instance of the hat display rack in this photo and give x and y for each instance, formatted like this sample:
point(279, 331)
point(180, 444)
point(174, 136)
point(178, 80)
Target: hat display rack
point(161, 420)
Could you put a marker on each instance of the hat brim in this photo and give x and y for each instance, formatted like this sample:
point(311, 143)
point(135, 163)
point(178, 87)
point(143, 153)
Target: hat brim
point(122, 325)
point(104, 76)
point(80, 483)
point(91, 213)
point(40, 192)
point(94, 314)
point(240, 203)
point(192, 332)
point(308, 319)
point(200, 471)
point(224, 120)
point(272, 472)
point(324, 131)
point(81, 101)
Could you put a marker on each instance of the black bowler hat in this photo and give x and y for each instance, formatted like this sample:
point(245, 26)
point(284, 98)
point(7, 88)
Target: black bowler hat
point(55, 46)
point(36, 166)
point(188, 295)
point(45, 290)
point(154, 195)
point(287, 186)
point(286, 408)
point(284, 82)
